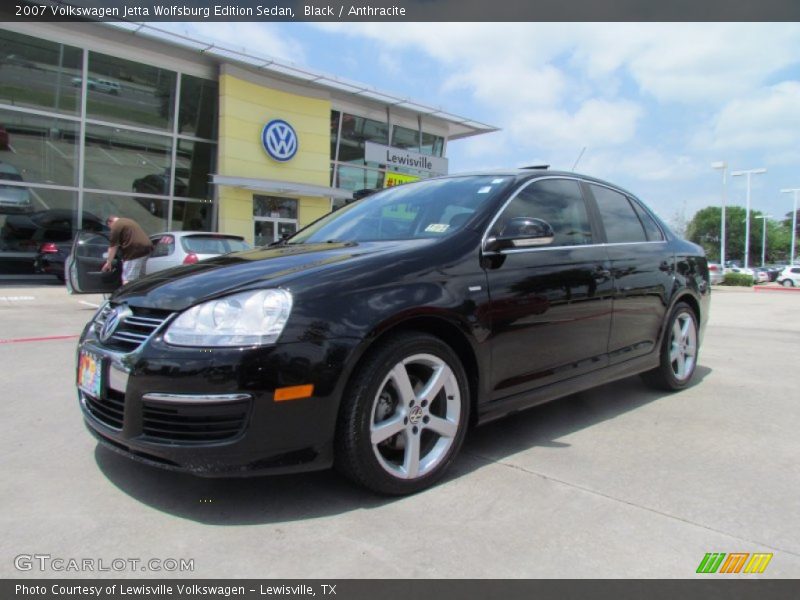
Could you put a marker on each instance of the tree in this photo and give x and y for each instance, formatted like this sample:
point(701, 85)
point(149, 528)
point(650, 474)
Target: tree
point(704, 229)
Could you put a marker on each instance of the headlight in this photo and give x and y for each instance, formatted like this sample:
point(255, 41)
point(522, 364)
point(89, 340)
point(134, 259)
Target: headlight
point(247, 319)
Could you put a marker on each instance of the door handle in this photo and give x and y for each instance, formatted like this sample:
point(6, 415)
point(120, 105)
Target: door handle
point(602, 273)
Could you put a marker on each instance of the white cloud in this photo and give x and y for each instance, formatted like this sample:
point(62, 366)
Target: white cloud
point(767, 119)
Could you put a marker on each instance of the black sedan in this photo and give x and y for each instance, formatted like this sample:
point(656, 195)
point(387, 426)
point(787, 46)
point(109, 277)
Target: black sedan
point(374, 337)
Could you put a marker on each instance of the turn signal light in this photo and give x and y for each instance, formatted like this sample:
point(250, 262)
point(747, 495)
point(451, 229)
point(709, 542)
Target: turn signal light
point(295, 392)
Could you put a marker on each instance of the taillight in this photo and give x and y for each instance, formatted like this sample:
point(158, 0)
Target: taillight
point(713, 268)
point(190, 259)
point(48, 248)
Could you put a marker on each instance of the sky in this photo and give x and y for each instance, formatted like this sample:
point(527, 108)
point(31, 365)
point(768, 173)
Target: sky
point(653, 104)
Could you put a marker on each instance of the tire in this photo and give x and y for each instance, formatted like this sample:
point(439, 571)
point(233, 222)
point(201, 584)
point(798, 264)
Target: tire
point(679, 350)
point(404, 415)
point(787, 283)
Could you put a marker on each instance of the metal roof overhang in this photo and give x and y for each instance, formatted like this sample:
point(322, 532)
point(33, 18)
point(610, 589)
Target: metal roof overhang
point(284, 188)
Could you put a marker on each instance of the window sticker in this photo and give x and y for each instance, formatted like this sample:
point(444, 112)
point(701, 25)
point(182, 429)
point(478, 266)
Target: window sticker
point(437, 227)
point(485, 189)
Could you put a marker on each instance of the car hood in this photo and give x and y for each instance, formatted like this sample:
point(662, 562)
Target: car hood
point(181, 287)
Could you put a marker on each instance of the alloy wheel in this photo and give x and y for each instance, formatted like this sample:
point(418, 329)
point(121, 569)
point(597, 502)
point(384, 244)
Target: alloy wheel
point(683, 346)
point(415, 416)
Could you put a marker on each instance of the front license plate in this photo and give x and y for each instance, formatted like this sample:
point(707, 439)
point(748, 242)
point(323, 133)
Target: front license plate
point(90, 373)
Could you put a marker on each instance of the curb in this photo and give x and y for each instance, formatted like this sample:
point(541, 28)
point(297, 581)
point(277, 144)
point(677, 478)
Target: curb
point(776, 289)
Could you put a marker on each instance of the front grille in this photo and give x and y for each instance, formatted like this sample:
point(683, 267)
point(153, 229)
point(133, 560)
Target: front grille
point(133, 330)
point(109, 410)
point(185, 423)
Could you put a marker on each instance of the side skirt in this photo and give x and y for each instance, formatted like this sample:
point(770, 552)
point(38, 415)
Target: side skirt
point(500, 408)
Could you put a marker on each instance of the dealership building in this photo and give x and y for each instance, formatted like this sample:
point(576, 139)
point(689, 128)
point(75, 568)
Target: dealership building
point(185, 134)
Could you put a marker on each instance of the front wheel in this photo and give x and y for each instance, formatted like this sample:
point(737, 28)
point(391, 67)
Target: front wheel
point(404, 416)
point(788, 283)
point(679, 351)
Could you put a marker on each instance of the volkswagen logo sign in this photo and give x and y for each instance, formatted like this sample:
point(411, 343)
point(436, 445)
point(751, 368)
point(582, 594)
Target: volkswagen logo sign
point(114, 318)
point(279, 140)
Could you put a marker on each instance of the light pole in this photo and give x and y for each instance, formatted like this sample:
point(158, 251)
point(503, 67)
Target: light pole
point(724, 166)
point(763, 237)
point(748, 172)
point(794, 220)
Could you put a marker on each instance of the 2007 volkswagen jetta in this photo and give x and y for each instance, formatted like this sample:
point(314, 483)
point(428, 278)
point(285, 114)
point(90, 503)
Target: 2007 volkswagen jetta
point(373, 338)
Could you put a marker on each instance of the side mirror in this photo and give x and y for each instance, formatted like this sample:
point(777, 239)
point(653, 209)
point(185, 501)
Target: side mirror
point(522, 232)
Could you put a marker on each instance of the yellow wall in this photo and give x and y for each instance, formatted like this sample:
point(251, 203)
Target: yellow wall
point(244, 109)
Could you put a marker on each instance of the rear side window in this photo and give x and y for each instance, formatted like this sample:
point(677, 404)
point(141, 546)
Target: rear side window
point(163, 246)
point(620, 220)
point(557, 201)
point(202, 244)
point(650, 227)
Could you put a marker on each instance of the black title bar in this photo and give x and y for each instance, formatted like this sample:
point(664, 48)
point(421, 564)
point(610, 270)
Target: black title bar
point(402, 10)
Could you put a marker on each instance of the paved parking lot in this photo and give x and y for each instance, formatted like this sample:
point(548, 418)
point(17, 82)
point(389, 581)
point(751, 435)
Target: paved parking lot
point(616, 482)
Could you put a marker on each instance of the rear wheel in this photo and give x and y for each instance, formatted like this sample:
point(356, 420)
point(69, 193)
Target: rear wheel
point(404, 416)
point(679, 351)
point(788, 283)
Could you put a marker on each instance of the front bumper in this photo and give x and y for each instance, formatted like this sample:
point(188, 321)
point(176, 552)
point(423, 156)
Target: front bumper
point(212, 412)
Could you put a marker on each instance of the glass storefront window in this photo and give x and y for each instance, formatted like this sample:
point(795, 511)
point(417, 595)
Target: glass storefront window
point(335, 117)
point(131, 93)
point(432, 145)
point(191, 216)
point(40, 74)
point(138, 209)
point(405, 138)
point(356, 131)
point(355, 178)
point(198, 109)
point(37, 149)
point(122, 160)
point(193, 162)
point(274, 207)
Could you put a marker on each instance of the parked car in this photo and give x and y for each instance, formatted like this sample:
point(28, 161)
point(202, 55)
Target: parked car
point(716, 274)
point(761, 275)
point(790, 277)
point(14, 197)
point(373, 348)
point(106, 86)
point(48, 234)
point(176, 248)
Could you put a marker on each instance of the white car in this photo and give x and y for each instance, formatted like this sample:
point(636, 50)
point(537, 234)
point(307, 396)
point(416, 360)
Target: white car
point(790, 277)
point(12, 195)
point(715, 273)
point(175, 248)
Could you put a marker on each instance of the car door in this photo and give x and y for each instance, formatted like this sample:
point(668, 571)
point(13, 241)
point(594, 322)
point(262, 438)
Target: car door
point(83, 270)
point(550, 305)
point(642, 267)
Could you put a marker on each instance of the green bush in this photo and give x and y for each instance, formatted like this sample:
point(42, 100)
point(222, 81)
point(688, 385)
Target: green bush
point(738, 279)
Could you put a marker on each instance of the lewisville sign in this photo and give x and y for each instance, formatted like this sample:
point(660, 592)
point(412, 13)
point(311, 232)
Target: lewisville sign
point(398, 157)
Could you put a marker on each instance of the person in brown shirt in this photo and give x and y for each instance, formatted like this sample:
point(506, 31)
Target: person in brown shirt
point(131, 242)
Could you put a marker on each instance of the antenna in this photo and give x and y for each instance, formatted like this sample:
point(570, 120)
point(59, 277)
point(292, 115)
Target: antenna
point(577, 160)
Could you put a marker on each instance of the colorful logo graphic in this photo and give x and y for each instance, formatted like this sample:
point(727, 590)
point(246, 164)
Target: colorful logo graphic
point(279, 139)
point(716, 562)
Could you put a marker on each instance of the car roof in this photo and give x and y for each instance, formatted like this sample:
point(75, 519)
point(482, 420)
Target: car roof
point(539, 171)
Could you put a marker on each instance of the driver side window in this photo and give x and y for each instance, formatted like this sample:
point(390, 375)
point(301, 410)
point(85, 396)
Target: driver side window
point(560, 203)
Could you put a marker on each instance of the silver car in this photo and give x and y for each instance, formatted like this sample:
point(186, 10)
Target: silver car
point(175, 248)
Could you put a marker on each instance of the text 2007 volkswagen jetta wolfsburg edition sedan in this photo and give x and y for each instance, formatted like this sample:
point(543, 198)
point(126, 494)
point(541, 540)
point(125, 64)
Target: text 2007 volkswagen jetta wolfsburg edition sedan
point(374, 337)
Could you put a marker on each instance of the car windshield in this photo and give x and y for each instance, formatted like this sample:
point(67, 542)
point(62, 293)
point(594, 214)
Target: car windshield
point(426, 209)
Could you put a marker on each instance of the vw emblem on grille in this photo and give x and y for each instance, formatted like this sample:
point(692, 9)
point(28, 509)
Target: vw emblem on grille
point(415, 416)
point(114, 318)
point(279, 140)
